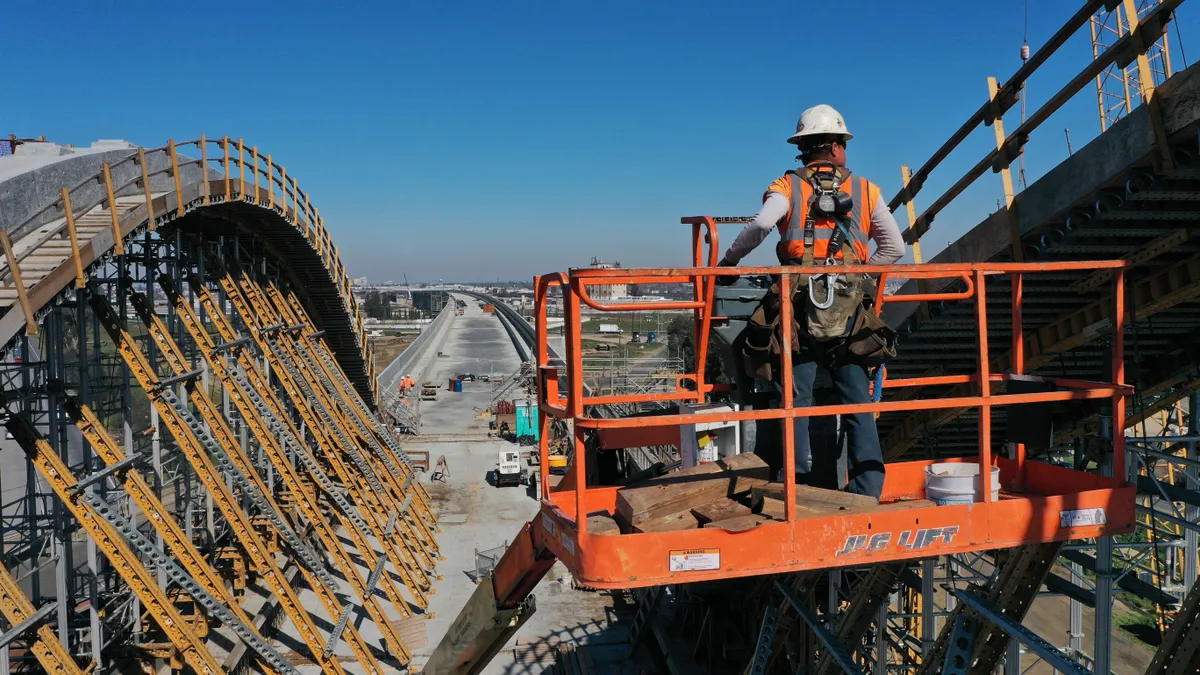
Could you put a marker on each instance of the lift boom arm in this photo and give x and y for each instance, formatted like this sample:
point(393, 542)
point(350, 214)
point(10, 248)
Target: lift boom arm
point(500, 605)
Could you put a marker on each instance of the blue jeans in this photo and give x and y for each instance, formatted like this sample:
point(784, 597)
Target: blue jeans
point(851, 385)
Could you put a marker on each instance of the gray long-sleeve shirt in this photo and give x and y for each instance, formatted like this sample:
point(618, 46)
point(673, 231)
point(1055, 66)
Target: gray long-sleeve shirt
point(884, 231)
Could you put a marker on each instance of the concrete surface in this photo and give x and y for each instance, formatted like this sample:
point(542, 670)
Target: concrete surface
point(474, 515)
point(32, 178)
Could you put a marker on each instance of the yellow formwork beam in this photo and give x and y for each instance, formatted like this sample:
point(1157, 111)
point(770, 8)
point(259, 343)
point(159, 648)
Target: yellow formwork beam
point(143, 584)
point(258, 388)
point(394, 468)
point(367, 449)
point(409, 490)
point(44, 644)
point(225, 437)
point(338, 440)
point(384, 441)
point(377, 504)
point(306, 499)
point(261, 556)
point(175, 539)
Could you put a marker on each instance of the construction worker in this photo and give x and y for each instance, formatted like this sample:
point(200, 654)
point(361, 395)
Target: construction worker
point(818, 229)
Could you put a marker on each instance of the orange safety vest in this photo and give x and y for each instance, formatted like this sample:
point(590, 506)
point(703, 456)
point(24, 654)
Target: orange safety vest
point(791, 249)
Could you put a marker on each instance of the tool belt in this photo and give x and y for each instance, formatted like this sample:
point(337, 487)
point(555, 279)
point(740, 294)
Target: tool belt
point(846, 332)
point(832, 312)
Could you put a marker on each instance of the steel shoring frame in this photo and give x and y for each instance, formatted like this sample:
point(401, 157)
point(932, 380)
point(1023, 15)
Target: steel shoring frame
point(305, 500)
point(55, 472)
point(361, 423)
point(347, 391)
point(1016, 585)
point(415, 541)
point(241, 470)
point(319, 417)
point(877, 584)
point(260, 394)
point(258, 418)
point(44, 644)
point(160, 518)
point(214, 481)
point(320, 422)
point(410, 489)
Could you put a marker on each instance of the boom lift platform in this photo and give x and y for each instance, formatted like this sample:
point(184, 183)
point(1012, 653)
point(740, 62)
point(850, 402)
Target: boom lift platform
point(1037, 502)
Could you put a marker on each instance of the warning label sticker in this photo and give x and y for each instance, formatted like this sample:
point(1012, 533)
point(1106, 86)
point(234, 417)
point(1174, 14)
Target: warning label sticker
point(695, 560)
point(1082, 517)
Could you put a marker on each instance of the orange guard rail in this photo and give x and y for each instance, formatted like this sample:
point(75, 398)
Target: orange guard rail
point(1040, 502)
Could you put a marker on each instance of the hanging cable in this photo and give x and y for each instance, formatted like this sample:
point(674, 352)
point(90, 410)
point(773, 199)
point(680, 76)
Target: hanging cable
point(1024, 84)
point(1179, 41)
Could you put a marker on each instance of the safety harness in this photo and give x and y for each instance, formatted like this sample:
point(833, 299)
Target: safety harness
point(832, 317)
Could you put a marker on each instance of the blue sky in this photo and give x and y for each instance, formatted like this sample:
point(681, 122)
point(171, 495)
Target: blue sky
point(477, 141)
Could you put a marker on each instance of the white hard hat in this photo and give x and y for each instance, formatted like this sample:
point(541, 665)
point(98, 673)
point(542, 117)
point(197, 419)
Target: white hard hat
point(820, 119)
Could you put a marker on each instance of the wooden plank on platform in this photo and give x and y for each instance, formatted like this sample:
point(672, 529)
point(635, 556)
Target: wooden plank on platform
point(739, 523)
point(721, 509)
point(680, 520)
point(816, 499)
point(680, 491)
point(602, 523)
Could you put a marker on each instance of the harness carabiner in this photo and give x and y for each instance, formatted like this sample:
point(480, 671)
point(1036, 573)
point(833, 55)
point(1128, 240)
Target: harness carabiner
point(830, 281)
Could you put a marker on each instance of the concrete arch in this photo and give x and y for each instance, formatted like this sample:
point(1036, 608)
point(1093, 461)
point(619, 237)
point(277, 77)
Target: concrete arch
point(220, 187)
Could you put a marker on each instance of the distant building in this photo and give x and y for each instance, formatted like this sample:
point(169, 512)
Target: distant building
point(360, 282)
point(430, 301)
point(607, 292)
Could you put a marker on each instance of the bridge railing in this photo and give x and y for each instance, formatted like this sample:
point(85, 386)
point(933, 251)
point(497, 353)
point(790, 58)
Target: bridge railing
point(236, 169)
point(1133, 46)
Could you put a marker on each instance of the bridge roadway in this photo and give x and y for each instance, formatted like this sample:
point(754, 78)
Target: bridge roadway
point(476, 516)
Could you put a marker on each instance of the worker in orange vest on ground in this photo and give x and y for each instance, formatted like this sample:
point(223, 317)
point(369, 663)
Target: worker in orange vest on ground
point(826, 215)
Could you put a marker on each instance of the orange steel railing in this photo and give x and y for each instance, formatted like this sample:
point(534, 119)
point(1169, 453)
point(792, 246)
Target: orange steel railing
point(573, 403)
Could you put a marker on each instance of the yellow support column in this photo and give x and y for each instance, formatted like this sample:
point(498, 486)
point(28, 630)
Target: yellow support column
point(316, 412)
point(44, 644)
point(214, 480)
point(305, 499)
point(55, 472)
point(156, 513)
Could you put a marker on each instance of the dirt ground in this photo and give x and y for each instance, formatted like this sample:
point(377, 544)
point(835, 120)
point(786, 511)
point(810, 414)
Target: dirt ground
point(388, 348)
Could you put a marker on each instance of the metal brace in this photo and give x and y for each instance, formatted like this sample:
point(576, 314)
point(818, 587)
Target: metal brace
point(225, 346)
point(175, 379)
point(100, 475)
point(766, 635)
point(836, 651)
point(167, 564)
point(1052, 655)
point(28, 624)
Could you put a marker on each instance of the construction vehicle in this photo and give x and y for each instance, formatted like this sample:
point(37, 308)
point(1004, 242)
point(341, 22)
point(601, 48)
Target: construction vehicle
point(603, 533)
point(429, 391)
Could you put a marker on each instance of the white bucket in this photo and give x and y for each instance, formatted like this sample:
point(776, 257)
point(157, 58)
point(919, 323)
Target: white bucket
point(957, 483)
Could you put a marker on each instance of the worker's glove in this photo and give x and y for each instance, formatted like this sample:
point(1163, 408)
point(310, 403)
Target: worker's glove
point(727, 280)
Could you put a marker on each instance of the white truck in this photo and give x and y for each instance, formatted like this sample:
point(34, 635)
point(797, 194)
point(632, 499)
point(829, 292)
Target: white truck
point(508, 468)
point(610, 329)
